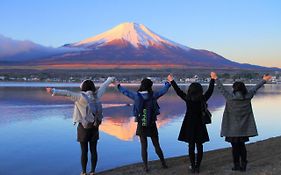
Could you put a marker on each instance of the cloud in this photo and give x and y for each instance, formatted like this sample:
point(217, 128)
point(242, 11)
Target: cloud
point(11, 47)
point(17, 50)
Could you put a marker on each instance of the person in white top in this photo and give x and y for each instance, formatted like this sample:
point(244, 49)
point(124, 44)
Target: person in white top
point(88, 115)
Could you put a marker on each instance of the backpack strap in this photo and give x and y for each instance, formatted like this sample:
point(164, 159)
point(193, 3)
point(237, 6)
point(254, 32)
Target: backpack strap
point(86, 97)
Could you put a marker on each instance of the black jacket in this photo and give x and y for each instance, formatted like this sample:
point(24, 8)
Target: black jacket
point(193, 129)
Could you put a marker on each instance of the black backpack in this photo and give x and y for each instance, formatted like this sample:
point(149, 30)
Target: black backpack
point(154, 108)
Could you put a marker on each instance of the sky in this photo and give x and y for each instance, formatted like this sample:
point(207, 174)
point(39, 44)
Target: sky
point(246, 31)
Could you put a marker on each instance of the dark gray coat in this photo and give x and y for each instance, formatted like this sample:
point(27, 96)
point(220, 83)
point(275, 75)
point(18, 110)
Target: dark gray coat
point(238, 118)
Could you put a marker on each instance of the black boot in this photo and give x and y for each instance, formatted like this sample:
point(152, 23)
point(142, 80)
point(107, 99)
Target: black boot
point(192, 169)
point(243, 166)
point(197, 167)
point(164, 165)
point(192, 163)
point(145, 168)
point(192, 166)
point(236, 167)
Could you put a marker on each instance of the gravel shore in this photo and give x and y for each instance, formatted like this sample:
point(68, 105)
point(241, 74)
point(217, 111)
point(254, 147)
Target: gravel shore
point(264, 158)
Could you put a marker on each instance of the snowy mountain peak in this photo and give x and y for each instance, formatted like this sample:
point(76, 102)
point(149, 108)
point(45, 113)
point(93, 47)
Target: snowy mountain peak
point(134, 33)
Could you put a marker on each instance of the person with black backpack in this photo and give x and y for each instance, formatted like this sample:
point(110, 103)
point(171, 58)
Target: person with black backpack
point(193, 129)
point(145, 111)
point(88, 115)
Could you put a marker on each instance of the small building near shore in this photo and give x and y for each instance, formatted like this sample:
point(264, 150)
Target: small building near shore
point(2, 78)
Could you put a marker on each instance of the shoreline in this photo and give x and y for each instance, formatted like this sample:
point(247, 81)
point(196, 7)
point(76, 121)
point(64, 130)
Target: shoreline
point(264, 157)
point(76, 85)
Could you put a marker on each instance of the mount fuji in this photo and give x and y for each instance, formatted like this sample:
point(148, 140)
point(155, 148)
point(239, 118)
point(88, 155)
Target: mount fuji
point(137, 35)
point(132, 45)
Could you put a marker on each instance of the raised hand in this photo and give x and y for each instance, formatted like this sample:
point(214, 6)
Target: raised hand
point(49, 90)
point(115, 83)
point(213, 75)
point(170, 77)
point(267, 77)
point(112, 79)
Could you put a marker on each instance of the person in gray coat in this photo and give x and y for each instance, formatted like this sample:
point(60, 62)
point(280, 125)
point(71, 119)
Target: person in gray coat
point(238, 123)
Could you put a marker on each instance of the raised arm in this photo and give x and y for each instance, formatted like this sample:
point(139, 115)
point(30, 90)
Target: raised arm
point(179, 92)
point(74, 96)
point(222, 90)
point(131, 94)
point(210, 90)
point(104, 85)
point(254, 90)
point(162, 91)
point(220, 86)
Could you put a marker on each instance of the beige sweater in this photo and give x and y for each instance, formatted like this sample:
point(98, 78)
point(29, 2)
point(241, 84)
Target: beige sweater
point(80, 102)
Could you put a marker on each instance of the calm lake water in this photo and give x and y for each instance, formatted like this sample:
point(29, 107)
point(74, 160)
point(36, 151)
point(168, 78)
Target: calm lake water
point(38, 137)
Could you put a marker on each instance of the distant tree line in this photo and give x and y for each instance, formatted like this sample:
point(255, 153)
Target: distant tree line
point(126, 74)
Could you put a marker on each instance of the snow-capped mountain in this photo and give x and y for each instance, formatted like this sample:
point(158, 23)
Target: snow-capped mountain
point(132, 45)
point(135, 34)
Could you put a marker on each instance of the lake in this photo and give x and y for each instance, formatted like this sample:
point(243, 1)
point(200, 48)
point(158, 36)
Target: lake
point(38, 136)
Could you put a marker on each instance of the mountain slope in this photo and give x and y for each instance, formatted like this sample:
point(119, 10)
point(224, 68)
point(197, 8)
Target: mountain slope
point(132, 45)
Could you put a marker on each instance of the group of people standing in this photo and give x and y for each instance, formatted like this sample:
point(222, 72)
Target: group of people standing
point(238, 122)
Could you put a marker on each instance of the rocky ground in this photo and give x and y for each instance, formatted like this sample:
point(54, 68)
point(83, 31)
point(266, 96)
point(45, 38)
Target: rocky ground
point(264, 158)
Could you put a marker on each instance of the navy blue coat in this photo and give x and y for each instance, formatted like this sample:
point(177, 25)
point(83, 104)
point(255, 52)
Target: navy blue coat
point(138, 101)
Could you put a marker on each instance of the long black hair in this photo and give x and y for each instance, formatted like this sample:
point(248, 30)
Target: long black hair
point(195, 92)
point(88, 85)
point(146, 85)
point(239, 86)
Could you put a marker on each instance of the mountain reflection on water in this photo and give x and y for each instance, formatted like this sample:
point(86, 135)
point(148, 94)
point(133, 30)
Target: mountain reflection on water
point(34, 123)
point(22, 103)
